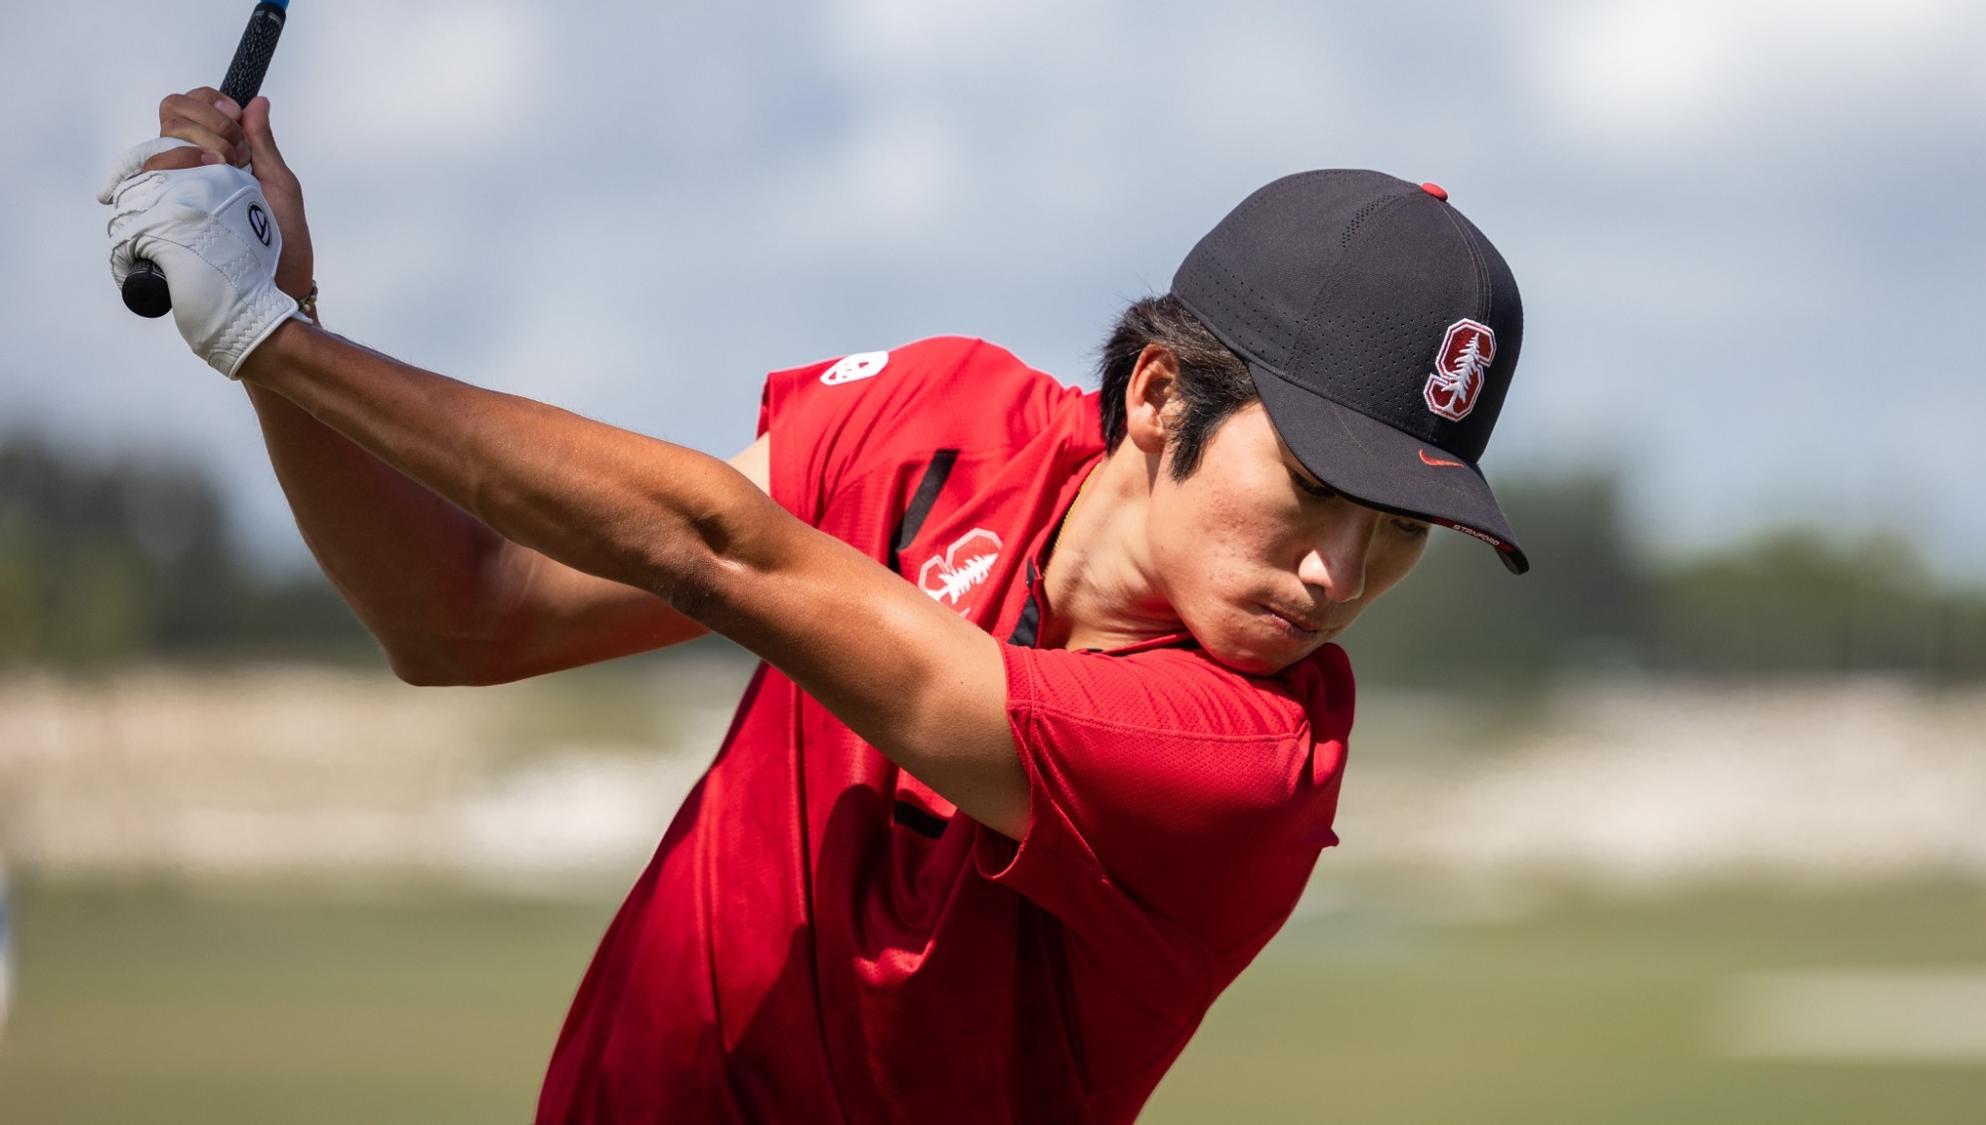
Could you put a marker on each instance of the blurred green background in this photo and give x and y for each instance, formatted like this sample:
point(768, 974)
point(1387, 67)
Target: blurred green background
point(105, 562)
point(1652, 838)
point(160, 1003)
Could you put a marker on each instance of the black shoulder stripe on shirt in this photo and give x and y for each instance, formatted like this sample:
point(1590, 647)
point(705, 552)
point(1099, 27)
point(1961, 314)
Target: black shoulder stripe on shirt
point(918, 821)
point(1028, 628)
point(921, 501)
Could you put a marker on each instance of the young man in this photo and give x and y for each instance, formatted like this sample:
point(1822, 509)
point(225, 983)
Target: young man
point(1049, 733)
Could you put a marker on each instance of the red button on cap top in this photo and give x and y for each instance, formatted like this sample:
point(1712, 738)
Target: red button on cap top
point(1436, 190)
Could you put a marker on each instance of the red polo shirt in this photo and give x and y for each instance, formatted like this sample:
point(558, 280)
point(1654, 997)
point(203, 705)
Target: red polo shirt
point(822, 938)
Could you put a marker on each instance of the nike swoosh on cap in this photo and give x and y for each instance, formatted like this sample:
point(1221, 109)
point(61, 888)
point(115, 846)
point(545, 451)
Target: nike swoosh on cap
point(1439, 463)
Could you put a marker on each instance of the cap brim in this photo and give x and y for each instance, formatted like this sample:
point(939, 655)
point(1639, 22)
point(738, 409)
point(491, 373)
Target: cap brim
point(1381, 467)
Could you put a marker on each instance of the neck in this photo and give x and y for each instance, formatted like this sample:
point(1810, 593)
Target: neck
point(1099, 584)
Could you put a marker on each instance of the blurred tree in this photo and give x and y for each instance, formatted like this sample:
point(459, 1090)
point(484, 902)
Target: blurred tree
point(104, 563)
point(1783, 604)
point(1792, 603)
point(1460, 621)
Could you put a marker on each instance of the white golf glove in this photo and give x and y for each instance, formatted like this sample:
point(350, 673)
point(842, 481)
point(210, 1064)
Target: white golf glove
point(212, 233)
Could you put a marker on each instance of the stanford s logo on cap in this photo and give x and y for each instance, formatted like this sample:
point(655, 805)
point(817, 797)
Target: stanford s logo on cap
point(1459, 368)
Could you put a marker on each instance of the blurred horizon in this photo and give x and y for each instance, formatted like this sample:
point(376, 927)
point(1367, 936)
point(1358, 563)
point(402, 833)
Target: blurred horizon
point(110, 564)
point(1740, 228)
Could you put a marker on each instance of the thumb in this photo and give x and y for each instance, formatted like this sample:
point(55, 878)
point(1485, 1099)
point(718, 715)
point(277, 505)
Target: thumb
point(262, 150)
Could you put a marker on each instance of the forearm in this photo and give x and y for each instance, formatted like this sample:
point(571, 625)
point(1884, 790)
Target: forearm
point(599, 499)
point(699, 534)
point(415, 568)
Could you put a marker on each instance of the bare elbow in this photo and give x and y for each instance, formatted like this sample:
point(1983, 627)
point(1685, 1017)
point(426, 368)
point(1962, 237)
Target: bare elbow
point(418, 673)
point(701, 570)
point(428, 666)
point(702, 587)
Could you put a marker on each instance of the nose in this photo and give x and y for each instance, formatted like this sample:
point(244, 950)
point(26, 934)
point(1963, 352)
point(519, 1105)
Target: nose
point(1334, 559)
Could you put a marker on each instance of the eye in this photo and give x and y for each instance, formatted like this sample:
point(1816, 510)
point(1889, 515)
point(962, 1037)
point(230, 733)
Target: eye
point(1412, 529)
point(1322, 492)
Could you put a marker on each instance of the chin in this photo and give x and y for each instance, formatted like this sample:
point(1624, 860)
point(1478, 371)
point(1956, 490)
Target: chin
point(1249, 660)
point(1239, 640)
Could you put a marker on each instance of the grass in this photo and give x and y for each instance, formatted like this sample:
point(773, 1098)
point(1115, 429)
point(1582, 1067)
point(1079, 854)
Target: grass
point(311, 1004)
point(143, 1004)
point(1589, 1012)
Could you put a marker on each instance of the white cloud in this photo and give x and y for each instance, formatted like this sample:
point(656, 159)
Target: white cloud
point(413, 81)
point(1643, 67)
point(1682, 72)
point(894, 175)
point(881, 38)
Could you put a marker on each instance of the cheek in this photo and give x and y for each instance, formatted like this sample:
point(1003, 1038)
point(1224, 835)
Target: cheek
point(1393, 564)
point(1214, 574)
point(1208, 555)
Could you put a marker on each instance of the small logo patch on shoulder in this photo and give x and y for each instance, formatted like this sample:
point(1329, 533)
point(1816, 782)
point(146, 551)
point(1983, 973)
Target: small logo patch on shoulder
point(861, 365)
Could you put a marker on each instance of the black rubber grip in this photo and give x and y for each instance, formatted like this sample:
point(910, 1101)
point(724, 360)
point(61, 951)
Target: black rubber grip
point(251, 58)
point(145, 291)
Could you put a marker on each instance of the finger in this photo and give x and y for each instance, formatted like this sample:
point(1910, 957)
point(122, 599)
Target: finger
point(261, 140)
point(129, 163)
point(192, 134)
point(198, 95)
point(186, 108)
point(180, 158)
point(201, 138)
point(207, 95)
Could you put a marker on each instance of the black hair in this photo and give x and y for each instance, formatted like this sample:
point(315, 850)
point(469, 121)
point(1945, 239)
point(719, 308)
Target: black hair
point(1213, 381)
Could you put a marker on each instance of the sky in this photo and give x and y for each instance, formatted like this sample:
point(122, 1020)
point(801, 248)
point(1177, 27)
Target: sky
point(1747, 231)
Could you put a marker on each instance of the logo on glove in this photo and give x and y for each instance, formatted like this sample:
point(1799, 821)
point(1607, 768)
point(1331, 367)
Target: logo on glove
point(194, 225)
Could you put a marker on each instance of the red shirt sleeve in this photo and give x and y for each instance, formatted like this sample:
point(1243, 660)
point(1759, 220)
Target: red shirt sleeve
point(1171, 800)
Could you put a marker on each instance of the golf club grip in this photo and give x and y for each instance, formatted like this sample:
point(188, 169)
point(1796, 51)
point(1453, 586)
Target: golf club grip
point(258, 46)
point(145, 291)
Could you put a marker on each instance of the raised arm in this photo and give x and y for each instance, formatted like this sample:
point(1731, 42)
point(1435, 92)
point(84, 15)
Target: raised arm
point(923, 685)
point(449, 600)
point(918, 682)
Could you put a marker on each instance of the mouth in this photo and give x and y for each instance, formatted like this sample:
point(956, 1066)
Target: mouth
point(1294, 625)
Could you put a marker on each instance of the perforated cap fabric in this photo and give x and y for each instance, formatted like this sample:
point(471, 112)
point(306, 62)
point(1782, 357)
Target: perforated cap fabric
point(1382, 330)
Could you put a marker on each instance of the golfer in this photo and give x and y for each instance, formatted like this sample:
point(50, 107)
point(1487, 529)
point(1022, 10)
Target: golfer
point(1050, 729)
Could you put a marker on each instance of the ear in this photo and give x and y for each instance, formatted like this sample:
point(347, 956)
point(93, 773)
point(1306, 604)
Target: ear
point(1151, 399)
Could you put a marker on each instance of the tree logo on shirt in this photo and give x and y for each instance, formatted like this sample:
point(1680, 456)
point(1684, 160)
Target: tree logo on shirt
point(952, 575)
point(861, 365)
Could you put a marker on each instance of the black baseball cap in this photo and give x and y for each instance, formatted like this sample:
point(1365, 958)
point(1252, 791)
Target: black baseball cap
point(1381, 329)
